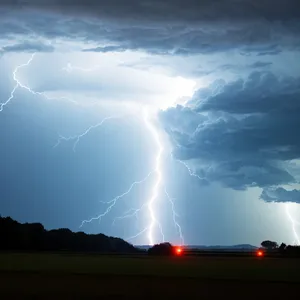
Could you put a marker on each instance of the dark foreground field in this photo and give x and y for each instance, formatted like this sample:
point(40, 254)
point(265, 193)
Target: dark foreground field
point(54, 276)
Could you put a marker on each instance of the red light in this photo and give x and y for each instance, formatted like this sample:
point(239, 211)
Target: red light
point(178, 251)
point(260, 253)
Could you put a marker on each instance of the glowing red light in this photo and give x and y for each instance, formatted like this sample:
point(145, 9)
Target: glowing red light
point(260, 253)
point(178, 251)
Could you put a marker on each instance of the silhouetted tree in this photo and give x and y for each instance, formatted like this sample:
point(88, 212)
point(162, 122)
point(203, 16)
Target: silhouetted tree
point(33, 237)
point(282, 248)
point(161, 249)
point(292, 251)
point(269, 245)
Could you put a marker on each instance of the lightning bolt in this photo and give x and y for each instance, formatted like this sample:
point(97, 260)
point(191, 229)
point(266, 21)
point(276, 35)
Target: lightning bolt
point(150, 204)
point(132, 212)
point(113, 202)
point(157, 184)
point(19, 84)
point(77, 138)
point(155, 190)
point(294, 223)
point(175, 216)
point(138, 234)
point(191, 172)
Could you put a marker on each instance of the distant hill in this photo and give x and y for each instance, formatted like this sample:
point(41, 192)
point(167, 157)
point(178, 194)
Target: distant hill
point(220, 247)
point(34, 237)
point(216, 247)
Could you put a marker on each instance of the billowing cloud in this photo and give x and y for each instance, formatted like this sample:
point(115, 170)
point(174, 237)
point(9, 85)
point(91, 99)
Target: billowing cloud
point(166, 10)
point(280, 195)
point(261, 92)
point(177, 27)
point(28, 46)
point(245, 132)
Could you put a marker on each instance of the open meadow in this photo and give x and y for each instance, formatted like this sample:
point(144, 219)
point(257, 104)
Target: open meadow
point(88, 276)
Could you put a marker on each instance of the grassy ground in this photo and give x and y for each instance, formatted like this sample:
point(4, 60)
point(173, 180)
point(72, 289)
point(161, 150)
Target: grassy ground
point(126, 275)
point(182, 267)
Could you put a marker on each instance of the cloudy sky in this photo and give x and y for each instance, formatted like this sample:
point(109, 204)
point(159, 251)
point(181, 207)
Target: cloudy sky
point(189, 106)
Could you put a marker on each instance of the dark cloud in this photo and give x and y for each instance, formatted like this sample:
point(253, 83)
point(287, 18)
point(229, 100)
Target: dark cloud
point(280, 195)
point(245, 132)
point(261, 92)
point(192, 10)
point(28, 47)
point(105, 49)
point(177, 27)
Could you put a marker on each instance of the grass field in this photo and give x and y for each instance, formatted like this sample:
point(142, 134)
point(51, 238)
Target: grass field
point(123, 275)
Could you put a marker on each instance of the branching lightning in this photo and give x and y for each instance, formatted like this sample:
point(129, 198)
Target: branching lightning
point(175, 216)
point(191, 172)
point(154, 195)
point(294, 223)
point(150, 205)
point(77, 138)
point(138, 234)
point(19, 84)
point(132, 212)
point(157, 184)
point(113, 202)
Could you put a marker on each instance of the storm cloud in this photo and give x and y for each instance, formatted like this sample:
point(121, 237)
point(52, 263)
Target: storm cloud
point(261, 92)
point(280, 195)
point(245, 132)
point(179, 27)
point(185, 10)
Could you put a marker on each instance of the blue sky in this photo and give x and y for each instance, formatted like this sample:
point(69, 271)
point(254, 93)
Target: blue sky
point(220, 85)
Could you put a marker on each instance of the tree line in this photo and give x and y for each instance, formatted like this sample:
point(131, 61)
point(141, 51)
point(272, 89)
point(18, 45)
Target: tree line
point(269, 247)
point(15, 236)
point(283, 249)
